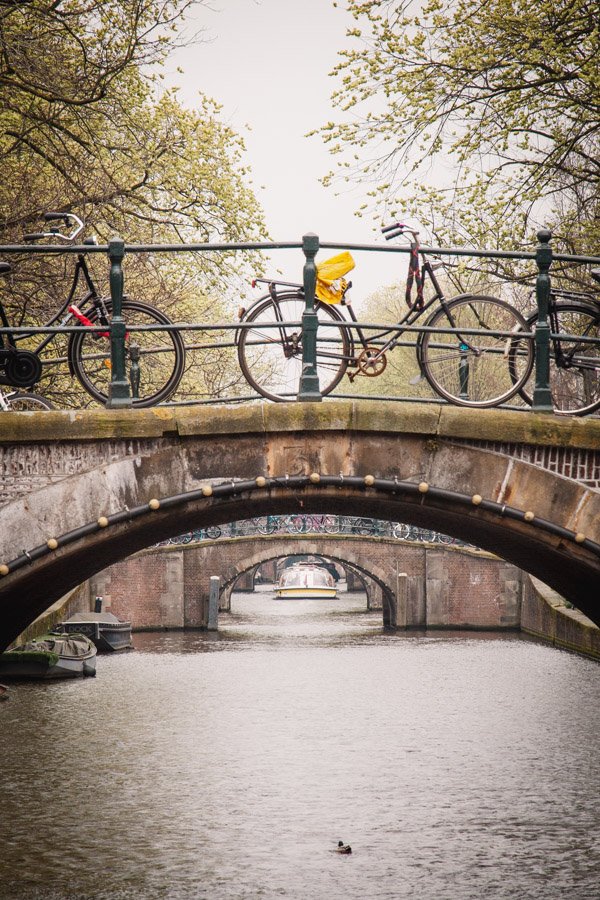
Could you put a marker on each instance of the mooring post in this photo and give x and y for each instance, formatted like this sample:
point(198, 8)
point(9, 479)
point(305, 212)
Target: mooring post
point(309, 389)
point(542, 395)
point(119, 395)
point(213, 603)
point(401, 599)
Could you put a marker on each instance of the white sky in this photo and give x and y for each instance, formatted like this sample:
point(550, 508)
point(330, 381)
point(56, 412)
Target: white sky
point(267, 62)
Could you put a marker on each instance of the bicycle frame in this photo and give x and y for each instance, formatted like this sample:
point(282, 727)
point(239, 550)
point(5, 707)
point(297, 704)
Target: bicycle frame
point(81, 270)
point(396, 331)
point(564, 358)
point(413, 314)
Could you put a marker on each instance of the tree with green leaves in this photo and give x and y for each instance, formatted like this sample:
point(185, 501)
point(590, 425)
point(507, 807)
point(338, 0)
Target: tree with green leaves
point(86, 127)
point(481, 121)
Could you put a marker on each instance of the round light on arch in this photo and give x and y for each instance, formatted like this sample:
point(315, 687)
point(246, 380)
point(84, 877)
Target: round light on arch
point(4, 570)
point(103, 522)
point(476, 499)
point(369, 480)
point(261, 481)
point(207, 490)
point(529, 516)
point(579, 538)
point(154, 503)
point(314, 477)
point(52, 543)
point(423, 487)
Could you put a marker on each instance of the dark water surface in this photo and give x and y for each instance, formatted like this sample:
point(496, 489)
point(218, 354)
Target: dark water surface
point(228, 766)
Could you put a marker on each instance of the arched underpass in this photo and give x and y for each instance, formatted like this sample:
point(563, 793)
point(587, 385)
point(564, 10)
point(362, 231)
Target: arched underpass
point(341, 458)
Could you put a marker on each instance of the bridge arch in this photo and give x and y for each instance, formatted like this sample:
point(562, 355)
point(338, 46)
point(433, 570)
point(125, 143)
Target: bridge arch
point(442, 469)
point(273, 548)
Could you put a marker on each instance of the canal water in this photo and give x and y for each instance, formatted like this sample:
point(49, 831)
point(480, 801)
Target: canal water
point(456, 765)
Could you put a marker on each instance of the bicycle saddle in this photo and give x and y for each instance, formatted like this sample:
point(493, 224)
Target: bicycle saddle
point(595, 273)
point(4, 267)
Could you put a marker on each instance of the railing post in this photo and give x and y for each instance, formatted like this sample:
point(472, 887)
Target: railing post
point(119, 395)
point(542, 395)
point(309, 389)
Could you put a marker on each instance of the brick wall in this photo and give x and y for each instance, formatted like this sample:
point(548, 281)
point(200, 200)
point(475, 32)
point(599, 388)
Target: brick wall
point(168, 587)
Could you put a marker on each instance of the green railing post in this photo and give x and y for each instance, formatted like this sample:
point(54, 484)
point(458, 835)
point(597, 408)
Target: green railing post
point(542, 395)
point(119, 395)
point(309, 389)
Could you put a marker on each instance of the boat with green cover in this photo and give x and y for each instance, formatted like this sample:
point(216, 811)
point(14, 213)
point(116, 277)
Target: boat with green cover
point(52, 655)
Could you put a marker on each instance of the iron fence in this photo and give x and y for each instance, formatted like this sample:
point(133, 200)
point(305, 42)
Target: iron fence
point(122, 390)
point(315, 525)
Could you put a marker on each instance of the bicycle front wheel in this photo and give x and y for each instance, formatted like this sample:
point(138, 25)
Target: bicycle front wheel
point(22, 401)
point(473, 369)
point(574, 365)
point(331, 524)
point(161, 356)
point(270, 352)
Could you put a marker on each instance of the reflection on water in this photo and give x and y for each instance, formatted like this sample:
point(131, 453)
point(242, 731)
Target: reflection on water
point(457, 765)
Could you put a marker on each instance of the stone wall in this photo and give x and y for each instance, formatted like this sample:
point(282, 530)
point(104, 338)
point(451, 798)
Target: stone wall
point(546, 615)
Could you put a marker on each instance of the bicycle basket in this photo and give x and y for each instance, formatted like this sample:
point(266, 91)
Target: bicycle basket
point(331, 285)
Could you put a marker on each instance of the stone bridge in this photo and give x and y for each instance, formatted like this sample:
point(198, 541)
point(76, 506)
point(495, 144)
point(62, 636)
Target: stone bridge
point(84, 489)
point(443, 586)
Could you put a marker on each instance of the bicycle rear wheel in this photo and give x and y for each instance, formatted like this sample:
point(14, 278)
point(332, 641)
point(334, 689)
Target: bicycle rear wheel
point(22, 401)
point(473, 369)
point(270, 355)
point(574, 366)
point(266, 524)
point(161, 355)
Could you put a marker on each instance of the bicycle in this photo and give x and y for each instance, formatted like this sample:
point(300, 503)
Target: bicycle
point(23, 401)
point(575, 363)
point(155, 359)
point(402, 531)
point(467, 367)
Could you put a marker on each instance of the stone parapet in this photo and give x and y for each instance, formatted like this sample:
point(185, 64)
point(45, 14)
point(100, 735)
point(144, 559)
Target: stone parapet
point(548, 616)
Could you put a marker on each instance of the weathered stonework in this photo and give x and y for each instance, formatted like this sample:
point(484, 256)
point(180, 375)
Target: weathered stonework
point(581, 465)
point(92, 466)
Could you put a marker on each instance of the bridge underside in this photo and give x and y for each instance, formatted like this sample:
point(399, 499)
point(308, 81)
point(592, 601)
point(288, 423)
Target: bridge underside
point(310, 459)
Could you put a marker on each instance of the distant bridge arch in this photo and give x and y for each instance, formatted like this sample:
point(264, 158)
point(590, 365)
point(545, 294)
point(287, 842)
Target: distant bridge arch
point(415, 584)
point(110, 483)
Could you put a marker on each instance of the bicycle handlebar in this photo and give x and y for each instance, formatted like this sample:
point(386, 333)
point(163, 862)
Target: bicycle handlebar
point(66, 219)
point(397, 229)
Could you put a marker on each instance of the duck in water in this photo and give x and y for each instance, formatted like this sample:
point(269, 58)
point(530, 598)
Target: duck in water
point(343, 848)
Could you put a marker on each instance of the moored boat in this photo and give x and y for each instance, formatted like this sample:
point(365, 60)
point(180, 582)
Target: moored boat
point(106, 631)
point(305, 581)
point(52, 655)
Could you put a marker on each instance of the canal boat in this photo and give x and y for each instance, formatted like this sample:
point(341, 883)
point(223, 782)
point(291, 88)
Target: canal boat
point(305, 581)
point(53, 655)
point(106, 631)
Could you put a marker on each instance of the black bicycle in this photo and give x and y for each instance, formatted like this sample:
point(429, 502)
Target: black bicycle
point(155, 360)
point(574, 320)
point(464, 356)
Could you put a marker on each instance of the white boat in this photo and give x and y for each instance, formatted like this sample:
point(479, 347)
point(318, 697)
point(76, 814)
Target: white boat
point(305, 581)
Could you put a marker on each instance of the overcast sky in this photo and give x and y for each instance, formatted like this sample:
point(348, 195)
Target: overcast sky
point(267, 62)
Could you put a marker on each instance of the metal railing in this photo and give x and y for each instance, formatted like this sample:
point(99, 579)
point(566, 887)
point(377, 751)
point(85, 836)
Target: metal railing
point(315, 525)
point(120, 392)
